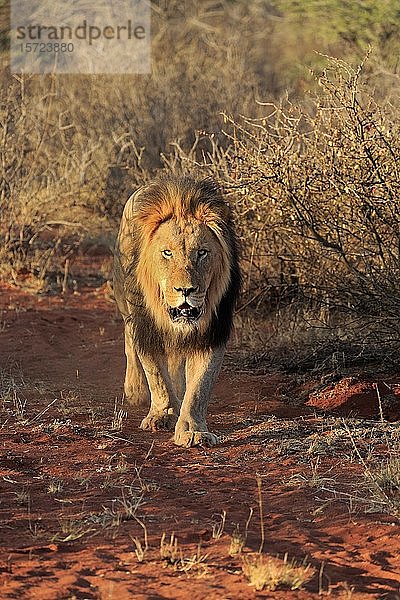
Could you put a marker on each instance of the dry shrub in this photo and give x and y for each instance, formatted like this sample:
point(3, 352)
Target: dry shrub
point(272, 572)
point(74, 146)
point(316, 188)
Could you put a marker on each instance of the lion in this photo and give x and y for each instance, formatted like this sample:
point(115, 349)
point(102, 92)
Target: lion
point(176, 281)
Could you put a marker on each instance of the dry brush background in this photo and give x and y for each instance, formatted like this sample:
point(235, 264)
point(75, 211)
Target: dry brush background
point(305, 146)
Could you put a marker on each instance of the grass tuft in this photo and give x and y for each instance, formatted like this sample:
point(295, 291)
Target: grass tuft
point(272, 573)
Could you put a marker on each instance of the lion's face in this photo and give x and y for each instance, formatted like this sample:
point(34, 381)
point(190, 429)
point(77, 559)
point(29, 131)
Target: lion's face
point(186, 258)
point(178, 232)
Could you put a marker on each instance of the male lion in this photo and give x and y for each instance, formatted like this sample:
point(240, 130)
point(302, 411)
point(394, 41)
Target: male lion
point(176, 280)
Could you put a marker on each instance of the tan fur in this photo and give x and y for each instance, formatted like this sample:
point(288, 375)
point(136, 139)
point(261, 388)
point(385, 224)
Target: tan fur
point(179, 376)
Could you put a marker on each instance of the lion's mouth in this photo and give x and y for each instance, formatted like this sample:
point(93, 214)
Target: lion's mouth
point(184, 312)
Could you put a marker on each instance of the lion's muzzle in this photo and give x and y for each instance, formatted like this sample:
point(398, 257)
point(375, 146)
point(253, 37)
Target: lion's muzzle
point(185, 312)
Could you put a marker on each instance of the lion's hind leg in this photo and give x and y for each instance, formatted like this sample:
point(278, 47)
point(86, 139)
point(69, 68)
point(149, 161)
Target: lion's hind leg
point(135, 387)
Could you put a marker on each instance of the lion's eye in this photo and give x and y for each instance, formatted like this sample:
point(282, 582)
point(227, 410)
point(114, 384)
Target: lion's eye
point(166, 253)
point(202, 253)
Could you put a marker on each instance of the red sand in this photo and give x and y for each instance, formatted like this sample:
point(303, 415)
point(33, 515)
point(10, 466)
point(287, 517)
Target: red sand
point(66, 474)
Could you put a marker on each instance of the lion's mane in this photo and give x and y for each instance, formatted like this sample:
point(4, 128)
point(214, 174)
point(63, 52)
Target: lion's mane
point(180, 198)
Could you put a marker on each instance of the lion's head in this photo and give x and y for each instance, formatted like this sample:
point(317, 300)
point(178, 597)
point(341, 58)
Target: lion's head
point(189, 269)
point(186, 265)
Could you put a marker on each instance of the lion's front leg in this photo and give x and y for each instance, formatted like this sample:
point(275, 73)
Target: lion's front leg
point(164, 406)
point(176, 370)
point(202, 370)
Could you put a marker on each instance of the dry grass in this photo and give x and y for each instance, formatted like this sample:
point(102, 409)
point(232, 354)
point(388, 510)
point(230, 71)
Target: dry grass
point(272, 573)
point(12, 397)
point(55, 486)
point(72, 529)
point(219, 526)
point(119, 416)
point(361, 454)
point(387, 475)
point(382, 483)
point(312, 177)
point(172, 554)
point(237, 543)
point(169, 549)
point(320, 187)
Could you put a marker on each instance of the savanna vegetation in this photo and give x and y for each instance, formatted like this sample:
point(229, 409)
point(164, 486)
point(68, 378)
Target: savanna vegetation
point(305, 146)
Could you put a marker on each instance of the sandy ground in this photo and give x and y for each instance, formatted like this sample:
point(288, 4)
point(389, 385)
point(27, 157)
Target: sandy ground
point(82, 486)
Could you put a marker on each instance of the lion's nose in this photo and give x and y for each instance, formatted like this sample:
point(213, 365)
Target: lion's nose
point(186, 291)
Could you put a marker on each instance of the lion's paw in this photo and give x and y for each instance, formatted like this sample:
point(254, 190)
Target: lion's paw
point(155, 421)
point(187, 439)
